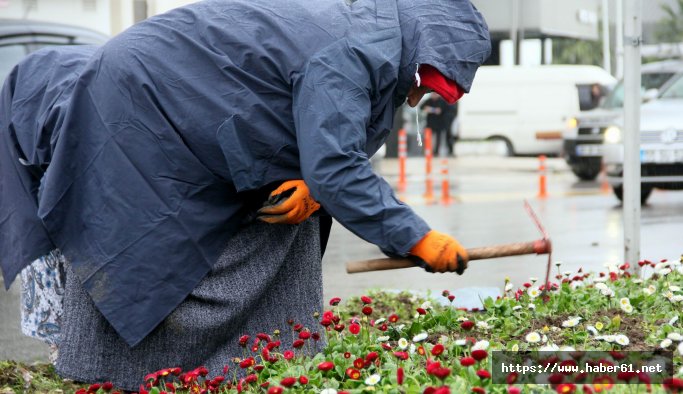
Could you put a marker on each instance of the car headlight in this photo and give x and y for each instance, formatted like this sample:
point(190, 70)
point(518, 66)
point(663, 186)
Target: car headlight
point(613, 135)
point(571, 130)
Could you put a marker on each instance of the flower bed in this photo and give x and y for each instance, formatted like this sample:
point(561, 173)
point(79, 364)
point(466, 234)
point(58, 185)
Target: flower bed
point(401, 343)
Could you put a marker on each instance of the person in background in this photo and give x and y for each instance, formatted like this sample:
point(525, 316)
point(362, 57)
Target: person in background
point(199, 152)
point(32, 104)
point(440, 116)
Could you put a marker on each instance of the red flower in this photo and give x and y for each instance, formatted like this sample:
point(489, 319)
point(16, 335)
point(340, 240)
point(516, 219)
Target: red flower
point(315, 336)
point(298, 343)
point(303, 380)
point(358, 363)
point(288, 355)
point(467, 325)
point(263, 337)
point(386, 346)
point(451, 298)
point(514, 390)
point(142, 390)
point(335, 301)
point(673, 385)
point(479, 354)
point(304, 335)
point(566, 388)
point(275, 390)
point(421, 350)
point(372, 356)
point(467, 361)
point(273, 345)
point(437, 349)
point(366, 300)
point(626, 376)
point(383, 327)
point(439, 390)
point(367, 310)
point(399, 375)
point(94, 387)
point(484, 374)
point(298, 327)
point(326, 366)
point(251, 378)
point(354, 328)
point(347, 355)
point(478, 390)
point(352, 373)
point(555, 378)
point(248, 362)
point(401, 355)
point(325, 322)
point(259, 368)
point(107, 386)
point(339, 327)
point(393, 318)
point(421, 311)
point(288, 381)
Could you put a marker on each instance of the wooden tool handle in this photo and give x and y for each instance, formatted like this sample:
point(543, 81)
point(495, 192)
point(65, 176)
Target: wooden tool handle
point(541, 246)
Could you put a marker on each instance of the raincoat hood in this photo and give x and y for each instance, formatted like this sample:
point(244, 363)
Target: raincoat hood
point(450, 35)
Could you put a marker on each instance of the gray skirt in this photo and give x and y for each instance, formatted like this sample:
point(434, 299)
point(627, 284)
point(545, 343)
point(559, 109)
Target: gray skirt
point(266, 276)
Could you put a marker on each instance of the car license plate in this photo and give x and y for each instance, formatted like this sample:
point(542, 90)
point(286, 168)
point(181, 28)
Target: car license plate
point(589, 150)
point(661, 155)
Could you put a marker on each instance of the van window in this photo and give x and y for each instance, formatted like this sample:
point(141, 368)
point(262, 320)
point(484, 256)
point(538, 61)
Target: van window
point(615, 99)
point(590, 96)
point(675, 90)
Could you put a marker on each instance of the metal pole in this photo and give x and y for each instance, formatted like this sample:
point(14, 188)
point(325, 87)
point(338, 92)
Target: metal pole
point(606, 55)
point(619, 39)
point(631, 138)
point(514, 29)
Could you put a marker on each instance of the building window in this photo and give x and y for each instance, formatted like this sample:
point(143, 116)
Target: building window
point(89, 5)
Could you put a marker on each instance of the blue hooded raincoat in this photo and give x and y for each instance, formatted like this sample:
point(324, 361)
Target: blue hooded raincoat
point(176, 120)
point(32, 108)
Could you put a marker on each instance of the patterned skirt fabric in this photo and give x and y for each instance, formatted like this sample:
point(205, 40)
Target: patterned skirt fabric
point(42, 296)
point(267, 277)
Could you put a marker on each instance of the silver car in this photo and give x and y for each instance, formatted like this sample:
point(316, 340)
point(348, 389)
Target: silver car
point(582, 145)
point(661, 143)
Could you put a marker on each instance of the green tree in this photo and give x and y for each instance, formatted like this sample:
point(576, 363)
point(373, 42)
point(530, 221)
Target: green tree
point(573, 51)
point(670, 28)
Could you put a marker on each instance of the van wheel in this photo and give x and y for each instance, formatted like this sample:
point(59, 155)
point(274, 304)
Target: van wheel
point(509, 150)
point(645, 192)
point(587, 170)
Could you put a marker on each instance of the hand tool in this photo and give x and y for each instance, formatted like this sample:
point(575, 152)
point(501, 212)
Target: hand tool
point(540, 246)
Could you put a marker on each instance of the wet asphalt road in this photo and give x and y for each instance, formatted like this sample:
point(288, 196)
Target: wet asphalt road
point(584, 221)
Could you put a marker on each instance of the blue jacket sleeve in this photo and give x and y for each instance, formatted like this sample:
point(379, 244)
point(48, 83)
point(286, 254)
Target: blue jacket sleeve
point(343, 89)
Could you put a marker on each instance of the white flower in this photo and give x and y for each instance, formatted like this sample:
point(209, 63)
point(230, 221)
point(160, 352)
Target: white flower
point(624, 301)
point(516, 307)
point(607, 338)
point(532, 306)
point(444, 339)
point(673, 320)
point(412, 348)
point(665, 272)
point(627, 308)
point(600, 279)
point(533, 337)
point(426, 305)
point(481, 345)
point(420, 337)
point(677, 298)
point(462, 319)
point(329, 391)
point(575, 285)
point(544, 338)
point(461, 342)
point(637, 281)
point(533, 292)
point(403, 343)
point(680, 348)
point(592, 330)
point(674, 336)
point(675, 288)
point(551, 347)
point(372, 380)
point(665, 343)
point(483, 324)
point(383, 339)
point(650, 290)
point(572, 322)
point(380, 321)
point(622, 340)
point(508, 286)
point(601, 286)
point(515, 348)
point(400, 327)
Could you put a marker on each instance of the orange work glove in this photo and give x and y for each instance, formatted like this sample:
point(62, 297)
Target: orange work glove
point(441, 253)
point(290, 203)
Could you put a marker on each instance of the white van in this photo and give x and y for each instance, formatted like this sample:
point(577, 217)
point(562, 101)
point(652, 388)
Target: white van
point(527, 107)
